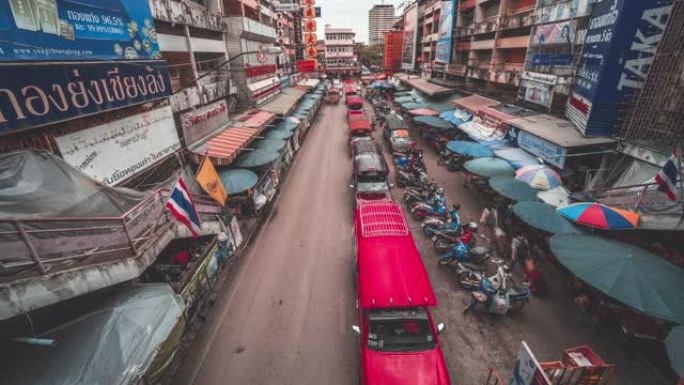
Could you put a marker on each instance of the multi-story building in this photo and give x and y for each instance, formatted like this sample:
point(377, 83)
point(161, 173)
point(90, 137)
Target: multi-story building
point(340, 58)
point(252, 28)
point(490, 44)
point(556, 41)
point(380, 20)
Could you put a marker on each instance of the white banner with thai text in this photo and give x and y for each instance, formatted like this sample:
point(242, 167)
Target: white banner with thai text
point(115, 151)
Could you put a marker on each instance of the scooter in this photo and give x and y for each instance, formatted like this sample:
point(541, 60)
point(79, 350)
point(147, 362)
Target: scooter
point(412, 178)
point(419, 194)
point(498, 294)
point(452, 161)
point(477, 255)
point(443, 242)
point(436, 227)
point(421, 210)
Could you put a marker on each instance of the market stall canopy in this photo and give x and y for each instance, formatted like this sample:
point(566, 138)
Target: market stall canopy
point(513, 189)
point(433, 122)
point(474, 103)
point(489, 167)
point(629, 274)
point(483, 131)
point(539, 177)
point(114, 342)
point(467, 148)
point(412, 106)
point(517, 157)
point(380, 84)
point(270, 144)
point(254, 118)
point(226, 146)
point(287, 124)
point(284, 102)
point(423, 85)
point(423, 112)
point(237, 181)
point(556, 197)
point(600, 216)
point(556, 130)
point(278, 134)
point(456, 116)
point(544, 217)
point(257, 158)
point(674, 343)
point(407, 99)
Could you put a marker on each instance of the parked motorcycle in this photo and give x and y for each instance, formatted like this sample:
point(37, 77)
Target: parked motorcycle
point(419, 194)
point(421, 210)
point(498, 293)
point(435, 227)
point(411, 177)
point(452, 161)
point(476, 255)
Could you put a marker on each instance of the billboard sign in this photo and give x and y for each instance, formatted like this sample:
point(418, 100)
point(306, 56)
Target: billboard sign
point(200, 122)
point(445, 32)
point(550, 152)
point(556, 33)
point(77, 30)
point(550, 11)
point(113, 152)
point(408, 54)
point(40, 94)
point(538, 93)
point(621, 43)
point(286, 7)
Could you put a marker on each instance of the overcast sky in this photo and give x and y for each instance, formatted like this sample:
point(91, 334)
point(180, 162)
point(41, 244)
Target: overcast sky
point(348, 13)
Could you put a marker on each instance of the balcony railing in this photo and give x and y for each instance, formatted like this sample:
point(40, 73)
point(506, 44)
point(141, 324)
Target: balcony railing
point(253, 26)
point(465, 5)
point(48, 245)
point(175, 12)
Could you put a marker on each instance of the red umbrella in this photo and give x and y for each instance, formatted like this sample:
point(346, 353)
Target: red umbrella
point(423, 112)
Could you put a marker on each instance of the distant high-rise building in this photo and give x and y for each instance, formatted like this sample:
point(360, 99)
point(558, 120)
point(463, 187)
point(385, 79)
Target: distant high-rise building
point(340, 57)
point(380, 19)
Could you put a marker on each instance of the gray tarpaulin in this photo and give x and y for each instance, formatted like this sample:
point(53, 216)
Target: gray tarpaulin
point(35, 184)
point(114, 344)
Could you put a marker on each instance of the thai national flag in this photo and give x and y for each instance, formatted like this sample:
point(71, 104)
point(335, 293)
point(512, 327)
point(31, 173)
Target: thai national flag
point(667, 177)
point(183, 209)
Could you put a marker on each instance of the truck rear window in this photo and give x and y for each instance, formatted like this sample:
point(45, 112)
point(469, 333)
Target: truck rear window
point(400, 330)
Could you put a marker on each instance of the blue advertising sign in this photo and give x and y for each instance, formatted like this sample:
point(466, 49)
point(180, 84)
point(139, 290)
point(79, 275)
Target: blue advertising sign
point(77, 30)
point(37, 94)
point(622, 39)
point(551, 153)
point(445, 32)
point(551, 59)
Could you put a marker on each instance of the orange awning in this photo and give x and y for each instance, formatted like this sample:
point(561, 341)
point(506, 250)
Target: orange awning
point(226, 146)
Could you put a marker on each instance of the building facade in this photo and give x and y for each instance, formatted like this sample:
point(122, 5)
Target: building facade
point(392, 52)
point(380, 20)
point(340, 58)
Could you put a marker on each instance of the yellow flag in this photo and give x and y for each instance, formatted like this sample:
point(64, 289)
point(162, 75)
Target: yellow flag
point(210, 181)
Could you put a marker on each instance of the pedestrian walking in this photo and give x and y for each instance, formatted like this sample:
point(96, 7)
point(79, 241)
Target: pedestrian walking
point(489, 220)
point(519, 249)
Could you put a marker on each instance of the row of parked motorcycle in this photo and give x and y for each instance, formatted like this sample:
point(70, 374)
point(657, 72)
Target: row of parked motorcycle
point(454, 240)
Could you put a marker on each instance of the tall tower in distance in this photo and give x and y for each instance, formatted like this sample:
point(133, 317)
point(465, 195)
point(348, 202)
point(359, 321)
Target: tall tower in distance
point(380, 19)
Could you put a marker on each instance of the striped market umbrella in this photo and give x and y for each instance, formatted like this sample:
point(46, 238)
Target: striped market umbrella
point(539, 177)
point(600, 216)
point(423, 112)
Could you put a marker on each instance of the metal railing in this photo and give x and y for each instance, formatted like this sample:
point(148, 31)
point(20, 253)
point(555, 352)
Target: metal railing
point(43, 243)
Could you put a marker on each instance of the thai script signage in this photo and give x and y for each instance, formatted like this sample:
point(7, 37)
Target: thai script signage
point(621, 42)
point(254, 71)
point(286, 7)
point(551, 59)
point(557, 33)
point(37, 94)
point(408, 55)
point(546, 150)
point(540, 77)
point(115, 151)
point(445, 32)
point(77, 30)
point(200, 122)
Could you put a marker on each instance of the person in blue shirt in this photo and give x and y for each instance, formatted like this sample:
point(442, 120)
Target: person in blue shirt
point(454, 217)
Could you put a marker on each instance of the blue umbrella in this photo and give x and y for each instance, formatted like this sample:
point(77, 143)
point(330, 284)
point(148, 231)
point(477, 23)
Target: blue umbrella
point(278, 134)
point(286, 125)
point(270, 144)
point(238, 180)
point(412, 106)
point(466, 148)
point(544, 217)
point(257, 158)
point(513, 189)
point(456, 116)
point(489, 167)
point(433, 122)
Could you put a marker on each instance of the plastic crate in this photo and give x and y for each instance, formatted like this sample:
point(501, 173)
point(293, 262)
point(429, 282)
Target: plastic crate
point(582, 356)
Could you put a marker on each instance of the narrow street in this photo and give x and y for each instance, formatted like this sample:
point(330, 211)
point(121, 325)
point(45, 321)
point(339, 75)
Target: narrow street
point(286, 316)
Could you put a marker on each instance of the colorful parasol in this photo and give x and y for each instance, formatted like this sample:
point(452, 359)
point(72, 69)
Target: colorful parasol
point(600, 216)
point(539, 177)
point(423, 112)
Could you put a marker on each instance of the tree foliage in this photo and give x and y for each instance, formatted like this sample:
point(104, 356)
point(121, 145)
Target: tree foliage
point(369, 54)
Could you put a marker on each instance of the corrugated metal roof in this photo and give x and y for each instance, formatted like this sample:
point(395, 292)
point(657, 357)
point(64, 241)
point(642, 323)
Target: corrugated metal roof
point(226, 146)
point(556, 130)
point(474, 103)
point(284, 103)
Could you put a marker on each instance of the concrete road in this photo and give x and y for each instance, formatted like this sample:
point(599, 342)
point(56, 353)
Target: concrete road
point(286, 318)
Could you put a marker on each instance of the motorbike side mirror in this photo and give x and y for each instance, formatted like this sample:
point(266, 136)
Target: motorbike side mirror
point(391, 185)
point(351, 186)
point(356, 329)
point(441, 327)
